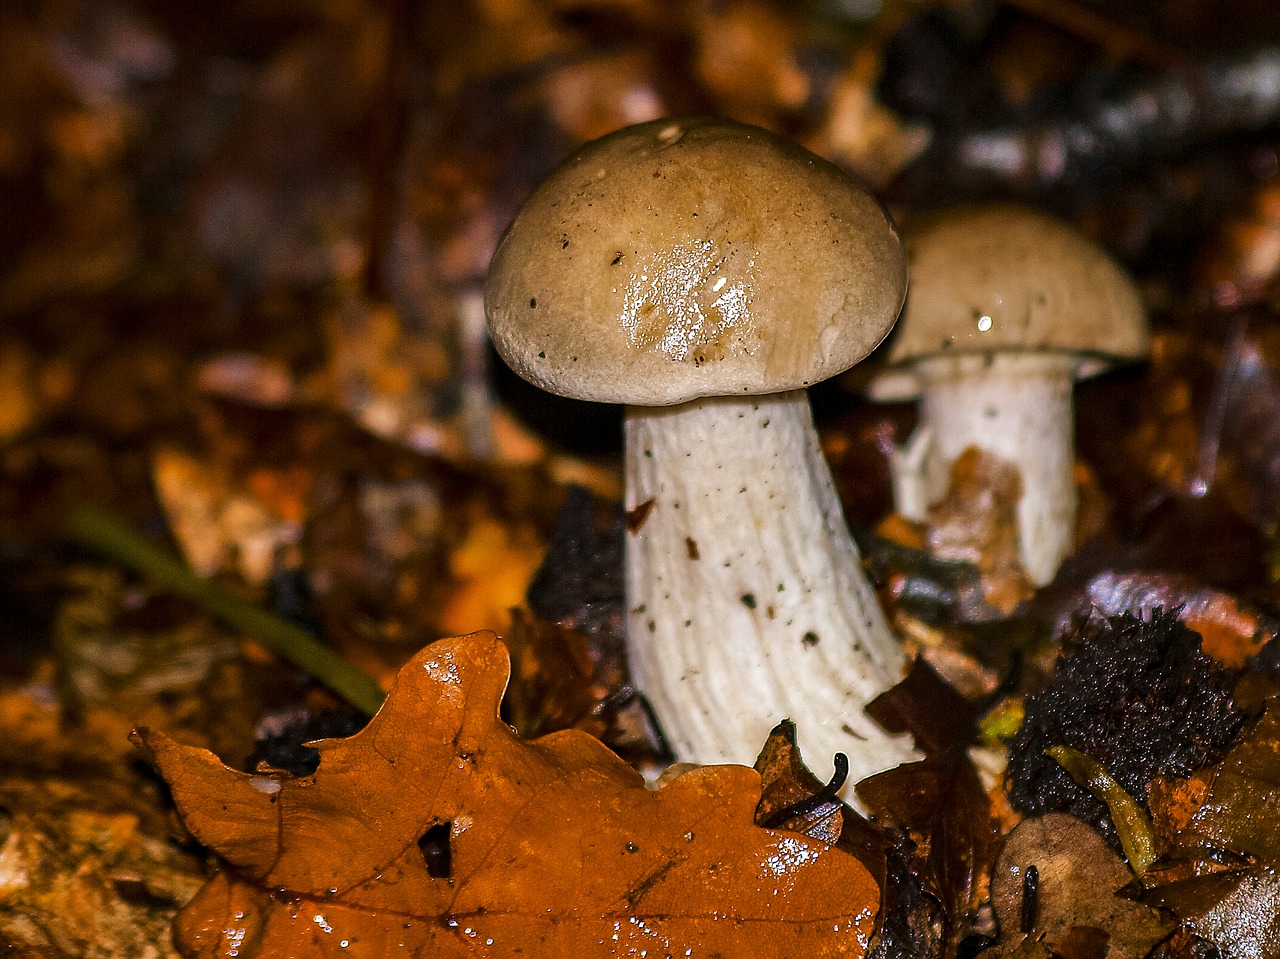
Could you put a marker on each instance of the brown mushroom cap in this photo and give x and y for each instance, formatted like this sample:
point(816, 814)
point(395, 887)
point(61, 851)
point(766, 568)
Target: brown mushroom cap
point(687, 258)
point(995, 278)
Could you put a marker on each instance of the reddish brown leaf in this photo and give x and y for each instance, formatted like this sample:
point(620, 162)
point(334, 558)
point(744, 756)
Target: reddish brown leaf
point(563, 678)
point(554, 683)
point(1232, 806)
point(435, 831)
point(793, 798)
point(928, 707)
point(941, 804)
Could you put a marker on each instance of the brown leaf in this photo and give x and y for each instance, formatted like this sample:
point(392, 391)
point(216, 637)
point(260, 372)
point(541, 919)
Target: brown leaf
point(563, 678)
point(941, 804)
point(435, 831)
point(977, 523)
point(1075, 902)
point(1237, 911)
point(793, 798)
point(554, 683)
point(928, 707)
point(1232, 806)
point(85, 871)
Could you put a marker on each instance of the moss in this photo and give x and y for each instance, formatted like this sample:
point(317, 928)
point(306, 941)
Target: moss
point(1136, 694)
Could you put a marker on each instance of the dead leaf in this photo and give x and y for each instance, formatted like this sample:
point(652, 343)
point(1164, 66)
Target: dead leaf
point(793, 798)
point(941, 804)
point(435, 831)
point(927, 706)
point(554, 682)
point(1232, 806)
point(218, 520)
point(1077, 878)
point(1237, 911)
point(976, 523)
point(86, 868)
point(566, 679)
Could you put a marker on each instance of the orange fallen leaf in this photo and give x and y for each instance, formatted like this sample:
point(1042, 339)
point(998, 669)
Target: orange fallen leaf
point(435, 831)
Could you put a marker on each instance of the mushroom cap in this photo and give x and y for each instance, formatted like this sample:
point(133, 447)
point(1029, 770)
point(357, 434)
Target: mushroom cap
point(996, 278)
point(680, 259)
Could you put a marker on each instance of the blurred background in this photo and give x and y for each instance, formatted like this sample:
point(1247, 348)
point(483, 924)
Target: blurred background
point(311, 190)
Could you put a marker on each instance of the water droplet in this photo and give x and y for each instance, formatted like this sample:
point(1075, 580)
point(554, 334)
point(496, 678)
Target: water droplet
point(671, 133)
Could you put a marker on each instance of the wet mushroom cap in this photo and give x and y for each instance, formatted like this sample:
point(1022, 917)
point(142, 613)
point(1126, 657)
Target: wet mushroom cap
point(1007, 278)
point(680, 259)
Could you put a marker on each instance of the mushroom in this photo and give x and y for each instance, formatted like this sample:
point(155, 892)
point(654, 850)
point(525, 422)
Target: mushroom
point(704, 272)
point(1007, 308)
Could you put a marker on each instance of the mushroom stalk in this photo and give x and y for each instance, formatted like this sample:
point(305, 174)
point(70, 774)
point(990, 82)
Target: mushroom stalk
point(746, 596)
point(1016, 405)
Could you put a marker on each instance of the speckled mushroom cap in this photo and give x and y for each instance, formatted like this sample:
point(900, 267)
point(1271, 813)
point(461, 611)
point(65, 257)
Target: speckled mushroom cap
point(687, 258)
point(993, 278)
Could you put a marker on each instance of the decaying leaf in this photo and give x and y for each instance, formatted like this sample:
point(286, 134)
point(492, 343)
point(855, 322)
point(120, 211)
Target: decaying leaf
point(1068, 906)
point(977, 523)
point(435, 831)
point(793, 798)
point(1231, 807)
point(1238, 911)
point(219, 520)
point(1132, 826)
point(929, 708)
point(941, 805)
point(566, 679)
point(85, 868)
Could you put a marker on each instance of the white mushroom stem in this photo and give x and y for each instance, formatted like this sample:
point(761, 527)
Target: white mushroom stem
point(746, 596)
point(1017, 405)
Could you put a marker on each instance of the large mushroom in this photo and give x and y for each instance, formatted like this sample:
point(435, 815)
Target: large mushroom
point(1008, 307)
point(703, 273)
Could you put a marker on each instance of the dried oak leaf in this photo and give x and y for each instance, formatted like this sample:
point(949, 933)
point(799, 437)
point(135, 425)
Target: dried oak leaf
point(435, 831)
point(1074, 909)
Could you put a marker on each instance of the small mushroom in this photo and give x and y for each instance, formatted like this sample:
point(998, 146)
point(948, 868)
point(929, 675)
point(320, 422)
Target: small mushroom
point(1007, 308)
point(703, 273)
